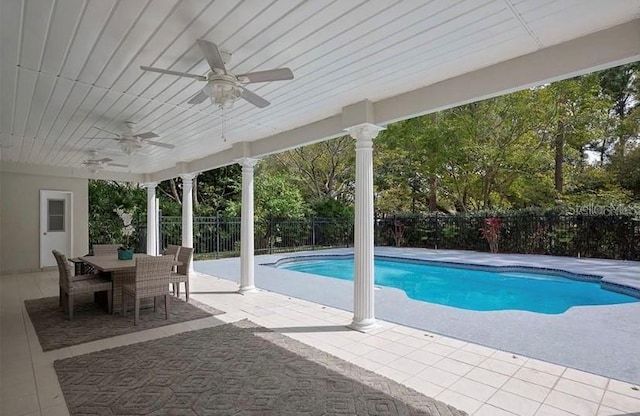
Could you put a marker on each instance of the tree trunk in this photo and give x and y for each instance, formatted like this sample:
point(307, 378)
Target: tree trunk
point(174, 190)
point(559, 159)
point(195, 191)
point(433, 195)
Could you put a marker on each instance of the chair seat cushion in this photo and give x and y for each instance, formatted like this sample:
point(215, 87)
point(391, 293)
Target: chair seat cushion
point(177, 277)
point(95, 284)
point(83, 277)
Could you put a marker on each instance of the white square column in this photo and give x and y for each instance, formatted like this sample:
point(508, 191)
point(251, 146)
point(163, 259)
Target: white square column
point(363, 285)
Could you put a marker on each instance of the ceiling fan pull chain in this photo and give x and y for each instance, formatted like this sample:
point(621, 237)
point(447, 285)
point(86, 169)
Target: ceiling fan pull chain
point(224, 125)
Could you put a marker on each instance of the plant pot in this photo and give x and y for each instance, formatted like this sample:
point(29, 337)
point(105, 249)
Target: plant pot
point(125, 254)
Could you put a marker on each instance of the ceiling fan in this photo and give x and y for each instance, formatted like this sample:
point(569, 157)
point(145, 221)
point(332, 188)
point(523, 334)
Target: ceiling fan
point(94, 165)
point(130, 141)
point(223, 87)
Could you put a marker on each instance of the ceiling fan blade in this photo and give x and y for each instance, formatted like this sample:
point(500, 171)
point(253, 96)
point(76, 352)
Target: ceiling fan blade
point(254, 98)
point(212, 54)
point(168, 146)
point(198, 98)
point(279, 74)
point(146, 135)
point(104, 160)
point(170, 72)
point(118, 165)
point(101, 138)
point(106, 131)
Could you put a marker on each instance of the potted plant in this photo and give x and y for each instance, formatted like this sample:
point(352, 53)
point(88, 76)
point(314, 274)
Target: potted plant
point(125, 252)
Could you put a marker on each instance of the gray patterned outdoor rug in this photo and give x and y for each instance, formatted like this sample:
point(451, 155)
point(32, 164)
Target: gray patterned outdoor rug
point(91, 322)
point(231, 369)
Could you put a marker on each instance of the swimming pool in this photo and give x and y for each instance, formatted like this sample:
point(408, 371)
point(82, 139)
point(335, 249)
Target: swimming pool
point(488, 289)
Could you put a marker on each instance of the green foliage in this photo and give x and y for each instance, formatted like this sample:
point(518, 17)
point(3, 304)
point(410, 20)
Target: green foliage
point(331, 208)
point(626, 170)
point(216, 188)
point(274, 196)
point(213, 190)
point(320, 170)
point(105, 227)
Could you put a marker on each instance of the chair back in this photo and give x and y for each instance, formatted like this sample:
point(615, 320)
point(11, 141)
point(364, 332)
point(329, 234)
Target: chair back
point(153, 275)
point(105, 249)
point(184, 256)
point(172, 250)
point(64, 269)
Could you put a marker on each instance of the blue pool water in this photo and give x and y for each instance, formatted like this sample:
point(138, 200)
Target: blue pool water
point(477, 290)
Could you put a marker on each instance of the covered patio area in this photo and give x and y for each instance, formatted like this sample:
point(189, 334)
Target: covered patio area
point(77, 104)
point(479, 380)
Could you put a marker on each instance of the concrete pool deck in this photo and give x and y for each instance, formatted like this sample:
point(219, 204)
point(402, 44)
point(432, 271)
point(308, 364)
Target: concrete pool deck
point(604, 339)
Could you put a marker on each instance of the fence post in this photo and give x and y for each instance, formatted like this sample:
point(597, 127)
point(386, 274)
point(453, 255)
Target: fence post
point(313, 233)
point(217, 235)
point(437, 227)
point(270, 234)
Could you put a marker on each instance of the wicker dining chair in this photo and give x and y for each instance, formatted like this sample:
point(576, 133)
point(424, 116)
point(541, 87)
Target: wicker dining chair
point(153, 275)
point(172, 250)
point(71, 285)
point(182, 274)
point(106, 249)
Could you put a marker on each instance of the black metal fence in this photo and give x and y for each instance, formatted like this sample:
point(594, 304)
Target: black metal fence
point(598, 236)
point(220, 237)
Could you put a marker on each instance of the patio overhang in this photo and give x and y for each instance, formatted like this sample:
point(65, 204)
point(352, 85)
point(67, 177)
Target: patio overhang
point(449, 55)
point(614, 46)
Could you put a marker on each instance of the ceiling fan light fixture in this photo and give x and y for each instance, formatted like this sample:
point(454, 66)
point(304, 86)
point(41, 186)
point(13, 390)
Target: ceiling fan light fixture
point(93, 168)
point(129, 147)
point(223, 93)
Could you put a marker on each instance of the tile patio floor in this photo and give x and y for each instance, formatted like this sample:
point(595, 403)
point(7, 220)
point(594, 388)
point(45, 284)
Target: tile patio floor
point(480, 380)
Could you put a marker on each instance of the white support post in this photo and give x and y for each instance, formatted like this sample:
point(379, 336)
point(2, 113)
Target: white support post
point(363, 285)
point(187, 211)
point(247, 284)
point(158, 224)
point(152, 219)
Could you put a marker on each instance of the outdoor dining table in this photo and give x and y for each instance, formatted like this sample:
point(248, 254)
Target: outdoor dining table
point(122, 272)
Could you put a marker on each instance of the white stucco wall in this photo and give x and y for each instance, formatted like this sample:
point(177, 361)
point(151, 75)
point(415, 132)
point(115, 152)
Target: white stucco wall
point(20, 218)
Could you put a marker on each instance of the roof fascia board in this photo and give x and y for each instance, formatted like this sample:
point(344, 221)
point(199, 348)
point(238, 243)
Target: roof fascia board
point(67, 172)
point(600, 50)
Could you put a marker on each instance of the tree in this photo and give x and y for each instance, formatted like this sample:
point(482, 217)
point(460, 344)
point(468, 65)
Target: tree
point(627, 171)
point(622, 86)
point(321, 170)
point(577, 116)
point(409, 158)
point(475, 156)
point(276, 196)
point(212, 190)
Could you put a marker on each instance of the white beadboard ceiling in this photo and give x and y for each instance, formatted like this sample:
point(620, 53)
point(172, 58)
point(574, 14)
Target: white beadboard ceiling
point(69, 65)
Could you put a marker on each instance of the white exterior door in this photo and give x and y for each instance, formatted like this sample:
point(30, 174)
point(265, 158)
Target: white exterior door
point(56, 226)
